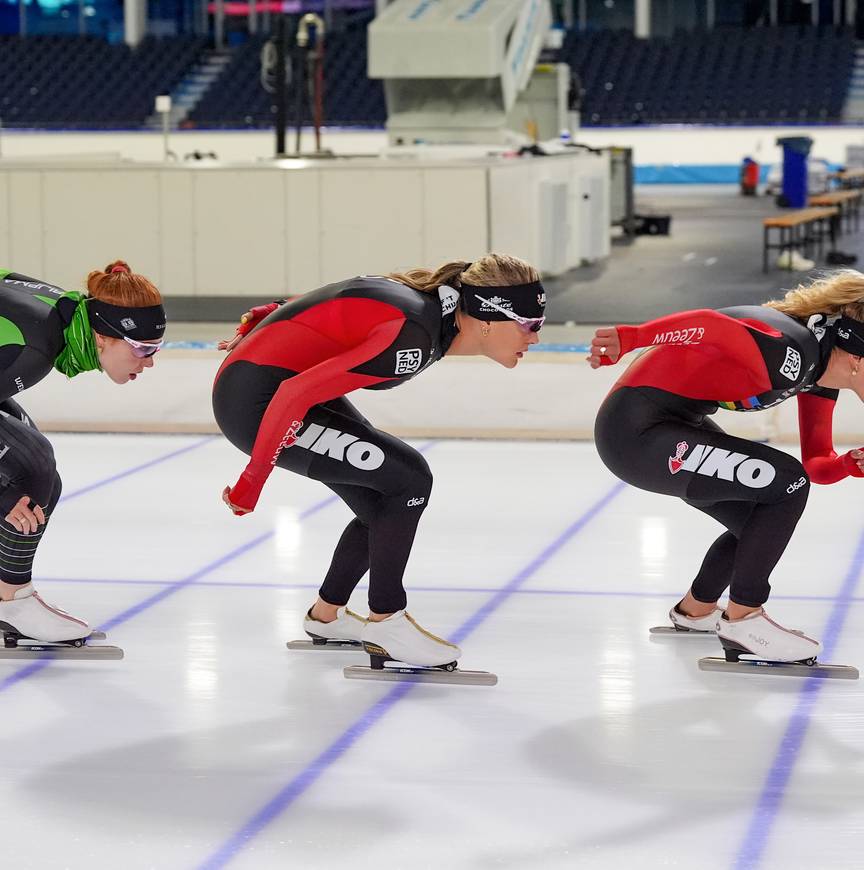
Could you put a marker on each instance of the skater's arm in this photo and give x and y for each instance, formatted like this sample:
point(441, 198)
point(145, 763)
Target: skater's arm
point(248, 322)
point(821, 462)
point(283, 418)
point(686, 328)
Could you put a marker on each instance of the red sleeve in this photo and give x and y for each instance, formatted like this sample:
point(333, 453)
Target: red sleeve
point(815, 416)
point(284, 415)
point(256, 315)
point(702, 326)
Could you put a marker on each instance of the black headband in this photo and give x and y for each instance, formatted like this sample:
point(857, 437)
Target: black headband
point(849, 335)
point(525, 300)
point(140, 324)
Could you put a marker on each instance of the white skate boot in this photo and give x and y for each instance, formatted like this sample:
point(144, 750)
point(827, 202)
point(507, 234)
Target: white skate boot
point(427, 658)
point(342, 633)
point(757, 643)
point(30, 625)
point(692, 625)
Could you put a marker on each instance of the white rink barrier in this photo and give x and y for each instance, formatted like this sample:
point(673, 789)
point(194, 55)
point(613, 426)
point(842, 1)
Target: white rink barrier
point(548, 395)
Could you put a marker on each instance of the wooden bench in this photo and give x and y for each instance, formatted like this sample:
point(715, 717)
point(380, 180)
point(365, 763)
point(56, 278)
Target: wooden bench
point(848, 178)
point(848, 201)
point(799, 229)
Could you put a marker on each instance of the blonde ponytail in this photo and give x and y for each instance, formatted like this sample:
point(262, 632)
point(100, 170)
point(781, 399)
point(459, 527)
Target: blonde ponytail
point(840, 292)
point(493, 270)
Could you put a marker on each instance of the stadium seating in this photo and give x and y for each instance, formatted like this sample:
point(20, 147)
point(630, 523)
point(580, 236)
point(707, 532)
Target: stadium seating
point(82, 82)
point(725, 76)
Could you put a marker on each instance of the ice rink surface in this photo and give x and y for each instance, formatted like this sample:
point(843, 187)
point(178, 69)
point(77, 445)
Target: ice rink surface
point(213, 745)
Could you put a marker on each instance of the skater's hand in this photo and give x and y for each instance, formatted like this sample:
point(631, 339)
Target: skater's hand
point(246, 324)
point(605, 347)
point(238, 511)
point(23, 518)
point(858, 456)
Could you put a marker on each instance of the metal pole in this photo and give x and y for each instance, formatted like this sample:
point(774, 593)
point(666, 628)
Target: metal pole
point(642, 19)
point(165, 130)
point(22, 18)
point(835, 17)
point(253, 17)
point(82, 23)
point(568, 14)
point(219, 24)
point(281, 89)
point(851, 12)
point(710, 15)
point(772, 13)
point(583, 15)
point(814, 12)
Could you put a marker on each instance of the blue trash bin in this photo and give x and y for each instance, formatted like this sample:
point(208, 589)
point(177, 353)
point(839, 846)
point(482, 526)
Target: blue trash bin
point(795, 152)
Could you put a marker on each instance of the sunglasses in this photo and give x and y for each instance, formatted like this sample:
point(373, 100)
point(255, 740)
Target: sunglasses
point(142, 349)
point(527, 324)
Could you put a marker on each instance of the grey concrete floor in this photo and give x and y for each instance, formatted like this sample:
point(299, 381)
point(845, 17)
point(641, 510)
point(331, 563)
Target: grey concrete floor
point(711, 259)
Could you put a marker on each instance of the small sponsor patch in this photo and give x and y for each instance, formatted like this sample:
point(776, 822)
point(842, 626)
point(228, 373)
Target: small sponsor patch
point(791, 367)
point(408, 361)
point(128, 324)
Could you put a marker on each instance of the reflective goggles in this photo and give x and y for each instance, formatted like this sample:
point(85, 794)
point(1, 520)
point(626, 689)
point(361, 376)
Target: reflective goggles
point(527, 324)
point(143, 349)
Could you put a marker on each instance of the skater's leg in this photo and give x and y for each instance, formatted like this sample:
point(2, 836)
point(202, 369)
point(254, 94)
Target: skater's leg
point(650, 447)
point(29, 479)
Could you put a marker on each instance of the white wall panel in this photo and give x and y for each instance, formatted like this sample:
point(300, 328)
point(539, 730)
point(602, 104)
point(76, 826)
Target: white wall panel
point(239, 232)
point(454, 215)
point(370, 221)
point(93, 217)
point(26, 231)
point(302, 243)
point(177, 234)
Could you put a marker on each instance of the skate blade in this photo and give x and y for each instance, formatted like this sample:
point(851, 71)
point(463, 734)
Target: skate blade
point(97, 635)
point(329, 645)
point(421, 675)
point(785, 669)
point(671, 631)
point(57, 651)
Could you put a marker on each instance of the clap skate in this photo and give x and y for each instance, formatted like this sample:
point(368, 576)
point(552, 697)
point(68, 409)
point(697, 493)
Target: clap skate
point(32, 629)
point(758, 645)
point(689, 626)
point(343, 633)
point(418, 656)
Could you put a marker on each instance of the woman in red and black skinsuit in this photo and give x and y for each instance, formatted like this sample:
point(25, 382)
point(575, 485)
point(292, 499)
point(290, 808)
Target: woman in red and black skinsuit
point(655, 431)
point(280, 398)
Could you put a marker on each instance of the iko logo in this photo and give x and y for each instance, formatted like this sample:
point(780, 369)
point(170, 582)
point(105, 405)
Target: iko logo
point(693, 335)
point(19, 383)
point(408, 361)
point(449, 299)
point(341, 446)
point(791, 367)
point(541, 298)
point(720, 463)
point(415, 502)
point(756, 639)
point(802, 481)
point(128, 324)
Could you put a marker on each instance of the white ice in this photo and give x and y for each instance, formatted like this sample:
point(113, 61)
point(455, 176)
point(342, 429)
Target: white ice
point(213, 745)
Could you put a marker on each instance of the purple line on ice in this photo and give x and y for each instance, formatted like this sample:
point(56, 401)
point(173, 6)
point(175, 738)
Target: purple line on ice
point(176, 586)
point(767, 809)
point(135, 469)
point(311, 773)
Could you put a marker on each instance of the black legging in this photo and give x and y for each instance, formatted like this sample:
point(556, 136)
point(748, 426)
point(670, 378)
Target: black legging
point(758, 493)
point(26, 468)
point(385, 482)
